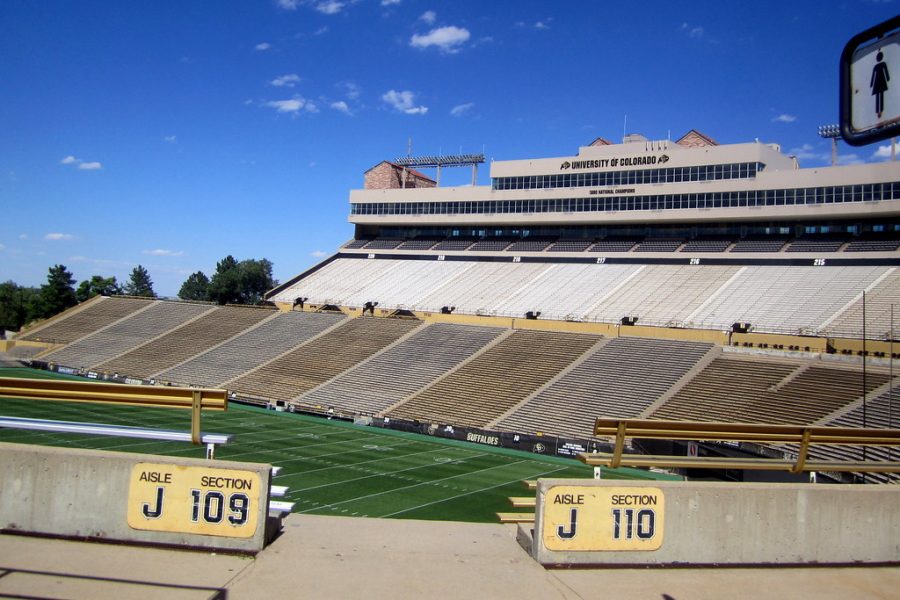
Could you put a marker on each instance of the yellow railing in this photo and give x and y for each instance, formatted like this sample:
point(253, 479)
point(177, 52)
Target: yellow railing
point(195, 399)
point(802, 435)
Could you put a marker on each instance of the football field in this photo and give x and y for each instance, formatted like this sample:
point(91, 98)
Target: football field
point(331, 467)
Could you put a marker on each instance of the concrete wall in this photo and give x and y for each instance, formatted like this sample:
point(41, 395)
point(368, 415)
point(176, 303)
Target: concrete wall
point(704, 523)
point(86, 494)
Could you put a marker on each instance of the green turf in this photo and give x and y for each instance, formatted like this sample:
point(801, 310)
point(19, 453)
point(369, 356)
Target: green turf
point(331, 467)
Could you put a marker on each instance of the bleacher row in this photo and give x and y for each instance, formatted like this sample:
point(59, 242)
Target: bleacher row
point(521, 381)
point(797, 300)
point(552, 244)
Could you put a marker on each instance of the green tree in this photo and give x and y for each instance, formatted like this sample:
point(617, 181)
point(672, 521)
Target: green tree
point(256, 280)
point(97, 286)
point(57, 294)
point(195, 287)
point(244, 282)
point(17, 305)
point(225, 285)
point(139, 283)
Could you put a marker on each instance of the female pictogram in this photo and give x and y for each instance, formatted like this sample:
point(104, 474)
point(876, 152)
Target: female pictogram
point(879, 82)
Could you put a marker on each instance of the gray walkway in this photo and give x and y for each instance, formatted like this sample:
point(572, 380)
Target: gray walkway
point(347, 558)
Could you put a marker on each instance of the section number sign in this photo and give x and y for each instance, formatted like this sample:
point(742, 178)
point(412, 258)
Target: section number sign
point(198, 500)
point(595, 518)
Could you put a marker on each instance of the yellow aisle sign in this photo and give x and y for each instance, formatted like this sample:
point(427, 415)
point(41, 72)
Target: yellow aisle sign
point(592, 518)
point(201, 500)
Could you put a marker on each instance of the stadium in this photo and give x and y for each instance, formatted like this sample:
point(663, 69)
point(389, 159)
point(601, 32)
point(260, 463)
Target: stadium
point(648, 279)
point(664, 280)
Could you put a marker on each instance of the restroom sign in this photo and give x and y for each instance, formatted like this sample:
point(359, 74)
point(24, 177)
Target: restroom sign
point(870, 85)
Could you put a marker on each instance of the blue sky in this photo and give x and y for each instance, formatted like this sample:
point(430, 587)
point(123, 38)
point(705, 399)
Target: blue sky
point(170, 134)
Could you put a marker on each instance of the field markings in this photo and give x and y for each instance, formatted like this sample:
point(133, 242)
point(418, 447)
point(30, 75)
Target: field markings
point(392, 458)
point(407, 487)
point(469, 493)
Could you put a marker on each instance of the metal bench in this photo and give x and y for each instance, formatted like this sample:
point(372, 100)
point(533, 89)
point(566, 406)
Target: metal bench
point(211, 440)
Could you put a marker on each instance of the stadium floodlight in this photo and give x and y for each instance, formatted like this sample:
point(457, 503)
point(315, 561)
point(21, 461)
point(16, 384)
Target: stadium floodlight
point(832, 132)
point(437, 162)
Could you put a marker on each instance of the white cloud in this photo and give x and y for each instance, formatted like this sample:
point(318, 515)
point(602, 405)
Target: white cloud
point(69, 160)
point(390, 2)
point(692, 31)
point(461, 109)
point(289, 80)
point(321, 30)
point(849, 159)
point(882, 153)
point(162, 252)
point(286, 106)
point(90, 166)
point(318, 254)
point(263, 46)
point(330, 7)
point(403, 102)
point(342, 107)
point(784, 118)
point(292, 106)
point(351, 90)
point(429, 16)
point(59, 237)
point(288, 4)
point(23, 236)
point(543, 24)
point(170, 138)
point(447, 39)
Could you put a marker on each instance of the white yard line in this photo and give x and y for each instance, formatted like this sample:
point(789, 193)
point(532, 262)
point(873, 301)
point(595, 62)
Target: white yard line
point(433, 481)
point(466, 494)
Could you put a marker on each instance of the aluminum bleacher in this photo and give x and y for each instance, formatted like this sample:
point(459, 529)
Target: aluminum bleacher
point(259, 344)
point(126, 334)
point(186, 341)
point(91, 316)
point(620, 378)
point(321, 358)
point(429, 353)
point(483, 389)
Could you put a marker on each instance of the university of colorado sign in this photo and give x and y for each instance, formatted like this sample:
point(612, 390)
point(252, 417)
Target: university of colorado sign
point(603, 163)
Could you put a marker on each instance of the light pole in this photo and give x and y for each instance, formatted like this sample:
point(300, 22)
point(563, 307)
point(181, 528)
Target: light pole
point(832, 132)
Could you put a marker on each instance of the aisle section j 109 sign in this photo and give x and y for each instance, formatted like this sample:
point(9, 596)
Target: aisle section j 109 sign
point(591, 518)
point(197, 500)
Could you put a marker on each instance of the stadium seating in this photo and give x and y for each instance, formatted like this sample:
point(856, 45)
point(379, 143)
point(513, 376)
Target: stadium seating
point(126, 334)
point(879, 300)
point(620, 378)
point(452, 244)
point(97, 314)
point(192, 338)
point(373, 386)
point(780, 299)
point(881, 411)
point(887, 245)
point(750, 245)
point(530, 245)
point(259, 344)
point(659, 245)
point(484, 388)
point(662, 295)
point(765, 390)
point(570, 246)
point(613, 245)
point(563, 291)
point(322, 358)
point(706, 246)
point(810, 245)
